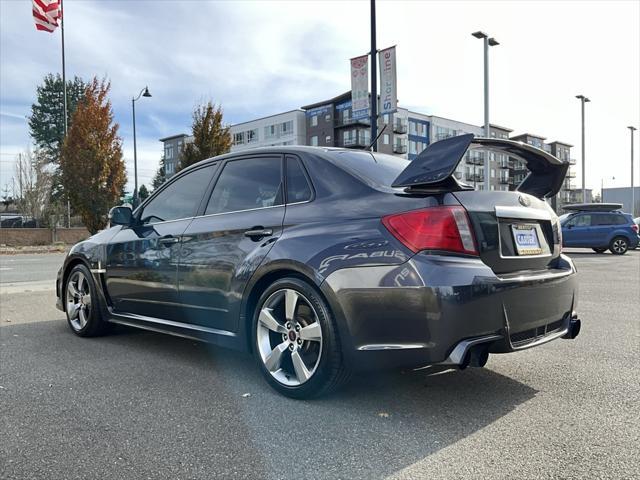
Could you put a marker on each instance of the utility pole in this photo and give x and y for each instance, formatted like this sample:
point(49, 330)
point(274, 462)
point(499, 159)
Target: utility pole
point(374, 79)
point(583, 100)
point(633, 193)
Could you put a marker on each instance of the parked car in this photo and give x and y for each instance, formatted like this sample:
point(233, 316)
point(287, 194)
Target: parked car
point(599, 226)
point(325, 261)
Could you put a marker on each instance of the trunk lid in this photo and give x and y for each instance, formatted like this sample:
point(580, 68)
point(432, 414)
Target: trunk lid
point(514, 231)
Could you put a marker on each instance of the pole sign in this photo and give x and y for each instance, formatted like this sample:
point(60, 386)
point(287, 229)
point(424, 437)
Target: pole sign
point(388, 81)
point(359, 87)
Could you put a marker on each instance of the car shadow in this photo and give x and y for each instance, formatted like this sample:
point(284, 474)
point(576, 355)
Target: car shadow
point(385, 420)
point(376, 425)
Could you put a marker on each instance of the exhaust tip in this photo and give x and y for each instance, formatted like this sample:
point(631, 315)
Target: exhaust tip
point(476, 357)
point(574, 328)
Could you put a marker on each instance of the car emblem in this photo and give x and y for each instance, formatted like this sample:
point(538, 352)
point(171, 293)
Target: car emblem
point(524, 201)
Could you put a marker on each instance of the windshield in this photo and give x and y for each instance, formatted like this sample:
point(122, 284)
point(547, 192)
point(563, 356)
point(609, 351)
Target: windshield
point(374, 168)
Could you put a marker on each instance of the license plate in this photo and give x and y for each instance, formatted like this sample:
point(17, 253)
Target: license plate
point(526, 240)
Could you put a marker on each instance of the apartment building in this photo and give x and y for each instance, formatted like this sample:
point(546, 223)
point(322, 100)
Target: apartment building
point(172, 146)
point(286, 128)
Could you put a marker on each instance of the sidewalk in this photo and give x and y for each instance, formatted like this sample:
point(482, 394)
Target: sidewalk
point(57, 248)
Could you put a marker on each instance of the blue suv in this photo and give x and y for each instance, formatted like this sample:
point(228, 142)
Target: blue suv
point(600, 227)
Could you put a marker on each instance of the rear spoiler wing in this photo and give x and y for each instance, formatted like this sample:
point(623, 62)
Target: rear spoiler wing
point(432, 170)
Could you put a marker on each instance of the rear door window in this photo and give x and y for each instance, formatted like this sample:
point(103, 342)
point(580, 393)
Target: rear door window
point(298, 188)
point(247, 184)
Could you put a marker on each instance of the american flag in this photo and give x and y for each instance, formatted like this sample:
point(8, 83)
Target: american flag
point(46, 14)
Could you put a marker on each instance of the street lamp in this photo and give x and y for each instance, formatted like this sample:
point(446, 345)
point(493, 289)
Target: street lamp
point(143, 93)
point(583, 100)
point(633, 193)
point(488, 42)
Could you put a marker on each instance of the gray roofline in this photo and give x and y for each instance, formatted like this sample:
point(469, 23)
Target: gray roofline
point(268, 116)
point(500, 127)
point(529, 135)
point(561, 143)
point(179, 135)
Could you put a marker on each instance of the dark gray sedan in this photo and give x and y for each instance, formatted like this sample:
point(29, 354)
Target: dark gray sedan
point(322, 262)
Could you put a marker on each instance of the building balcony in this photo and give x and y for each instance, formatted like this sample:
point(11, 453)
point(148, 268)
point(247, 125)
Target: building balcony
point(399, 148)
point(399, 127)
point(356, 142)
point(471, 177)
point(504, 164)
point(475, 160)
point(345, 122)
point(503, 180)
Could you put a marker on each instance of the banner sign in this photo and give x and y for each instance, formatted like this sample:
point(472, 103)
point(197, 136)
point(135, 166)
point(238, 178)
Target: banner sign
point(359, 87)
point(324, 109)
point(388, 81)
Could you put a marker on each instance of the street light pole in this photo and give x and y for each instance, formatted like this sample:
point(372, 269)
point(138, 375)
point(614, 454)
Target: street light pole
point(144, 93)
point(633, 193)
point(488, 42)
point(583, 100)
point(374, 79)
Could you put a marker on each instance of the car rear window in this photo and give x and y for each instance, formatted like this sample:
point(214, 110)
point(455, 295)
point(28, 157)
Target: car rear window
point(374, 168)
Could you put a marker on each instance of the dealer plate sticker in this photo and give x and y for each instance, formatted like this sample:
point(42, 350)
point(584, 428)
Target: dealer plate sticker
point(526, 239)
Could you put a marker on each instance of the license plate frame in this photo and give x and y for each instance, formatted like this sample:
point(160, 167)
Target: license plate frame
point(525, 239)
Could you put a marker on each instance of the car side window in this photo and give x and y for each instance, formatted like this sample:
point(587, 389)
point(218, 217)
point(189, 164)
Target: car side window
point(247, 184)
point(298, 188)
point(180, 199)
point(580, 221)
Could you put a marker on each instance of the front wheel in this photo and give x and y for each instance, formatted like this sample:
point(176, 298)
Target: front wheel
point(619, 246)
point(81, 304)
point(296, 341)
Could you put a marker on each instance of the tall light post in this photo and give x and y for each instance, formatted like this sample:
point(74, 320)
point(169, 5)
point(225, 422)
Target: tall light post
point(633, 193)
point(488, 42)
point(583, 100)
point(374, 80)
point(143, 93)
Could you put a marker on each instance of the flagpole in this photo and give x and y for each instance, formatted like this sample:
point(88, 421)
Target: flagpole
point(64, 100)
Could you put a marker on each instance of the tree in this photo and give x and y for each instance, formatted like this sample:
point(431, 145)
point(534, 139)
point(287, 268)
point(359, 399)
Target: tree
point(46, 122)
point(160, 177)
point(93, 170)
point(210, 136)
point(143, 193)
point(34, 185)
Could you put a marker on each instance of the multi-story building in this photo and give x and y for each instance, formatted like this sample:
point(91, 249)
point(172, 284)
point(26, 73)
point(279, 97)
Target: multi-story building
point(172, 148)
point(286, 128)
point(405, 133)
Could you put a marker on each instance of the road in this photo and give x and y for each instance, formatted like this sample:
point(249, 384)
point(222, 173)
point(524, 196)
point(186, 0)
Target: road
point(143, 405)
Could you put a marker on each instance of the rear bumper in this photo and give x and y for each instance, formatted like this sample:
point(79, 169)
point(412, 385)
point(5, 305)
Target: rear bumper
point(420, 312)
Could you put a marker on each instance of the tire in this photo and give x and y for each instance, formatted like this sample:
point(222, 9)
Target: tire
point(298, 351)
point(619, 246)
point(600, 250)
point(82, 305)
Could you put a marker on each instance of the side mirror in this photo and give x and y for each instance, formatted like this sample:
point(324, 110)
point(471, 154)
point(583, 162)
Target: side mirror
point(120, 216)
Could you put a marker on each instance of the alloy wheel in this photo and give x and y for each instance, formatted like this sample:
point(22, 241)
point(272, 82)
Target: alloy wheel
point(78, 300)
point(619, 245)
point(289, 337)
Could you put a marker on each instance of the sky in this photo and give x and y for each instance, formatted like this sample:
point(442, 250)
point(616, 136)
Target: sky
point(257, 58)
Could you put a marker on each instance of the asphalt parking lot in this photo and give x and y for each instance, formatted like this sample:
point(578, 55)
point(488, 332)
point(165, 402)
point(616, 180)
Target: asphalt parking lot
point(143, 405)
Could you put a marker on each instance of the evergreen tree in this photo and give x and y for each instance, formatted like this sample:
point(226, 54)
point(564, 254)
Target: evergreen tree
point(160, 177)
point(143, 193)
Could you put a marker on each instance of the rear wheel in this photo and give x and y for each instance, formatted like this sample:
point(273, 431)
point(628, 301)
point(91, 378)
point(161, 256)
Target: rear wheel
point(619, 246)
point(600, 250)
point(81, 304)
point(296, 340)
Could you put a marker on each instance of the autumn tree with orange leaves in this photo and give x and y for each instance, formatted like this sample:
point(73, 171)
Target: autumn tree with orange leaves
point(93, 171)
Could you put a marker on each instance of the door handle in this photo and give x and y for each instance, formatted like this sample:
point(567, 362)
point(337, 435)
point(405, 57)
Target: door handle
point(258, 232)
point(169, 240)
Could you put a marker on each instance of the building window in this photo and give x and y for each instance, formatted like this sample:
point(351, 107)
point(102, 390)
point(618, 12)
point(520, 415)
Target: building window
point(327, 139)
point(238, 138)
point(345, 115)
point(252, 135)
point(327, 117)
point(168, 151)
point(270, 131)
point(287, 127)
point(314, 120)
point(385, 139)
point(385, 118)
point(314, 141)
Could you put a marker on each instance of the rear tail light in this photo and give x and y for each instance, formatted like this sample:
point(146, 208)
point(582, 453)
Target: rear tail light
point(634, 227)
point(436, 228)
